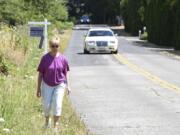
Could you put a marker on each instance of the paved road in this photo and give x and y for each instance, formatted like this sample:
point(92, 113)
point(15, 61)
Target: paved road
point(114, 99)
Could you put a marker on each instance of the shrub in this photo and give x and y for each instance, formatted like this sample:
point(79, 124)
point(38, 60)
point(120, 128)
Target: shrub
point(144, 36)
point(3, 66)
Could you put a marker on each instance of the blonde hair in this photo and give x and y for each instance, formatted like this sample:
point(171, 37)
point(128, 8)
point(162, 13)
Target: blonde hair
point(55, 40)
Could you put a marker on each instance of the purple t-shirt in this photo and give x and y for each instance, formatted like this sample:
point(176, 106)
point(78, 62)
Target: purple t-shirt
point(53, 69)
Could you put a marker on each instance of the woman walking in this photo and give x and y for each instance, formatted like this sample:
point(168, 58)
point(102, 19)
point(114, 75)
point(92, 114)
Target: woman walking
point(52, 82)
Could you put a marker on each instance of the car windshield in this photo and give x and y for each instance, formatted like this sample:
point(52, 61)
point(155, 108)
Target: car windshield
point(100, 33)
point(85, 17)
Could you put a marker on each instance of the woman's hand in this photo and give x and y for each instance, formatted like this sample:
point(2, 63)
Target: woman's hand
point(68, 90)
point(38, 94)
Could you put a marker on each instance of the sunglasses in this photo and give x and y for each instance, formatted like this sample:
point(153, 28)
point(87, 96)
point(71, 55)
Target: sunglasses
point(54, 46)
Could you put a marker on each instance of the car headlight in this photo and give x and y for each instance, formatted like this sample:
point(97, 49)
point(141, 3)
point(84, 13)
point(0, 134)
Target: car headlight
point(112, 42)
point(81, 20)
point(88, 20)
point(91, 42)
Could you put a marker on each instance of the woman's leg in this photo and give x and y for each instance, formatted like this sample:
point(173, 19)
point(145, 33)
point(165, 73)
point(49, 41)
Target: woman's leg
point(47, 93)
point(58, 99)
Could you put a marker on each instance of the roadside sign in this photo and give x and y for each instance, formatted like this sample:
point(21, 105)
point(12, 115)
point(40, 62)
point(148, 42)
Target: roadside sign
point(36, 31)
point(41, 42)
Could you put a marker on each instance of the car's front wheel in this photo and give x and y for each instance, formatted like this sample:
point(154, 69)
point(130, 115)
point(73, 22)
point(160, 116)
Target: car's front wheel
point(86, 51)
point(115, 52)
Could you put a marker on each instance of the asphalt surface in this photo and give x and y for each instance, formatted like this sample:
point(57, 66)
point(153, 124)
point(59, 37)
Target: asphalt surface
point(113, 99)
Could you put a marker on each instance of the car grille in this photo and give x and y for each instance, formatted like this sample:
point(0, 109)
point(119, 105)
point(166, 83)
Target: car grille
point(102, 43)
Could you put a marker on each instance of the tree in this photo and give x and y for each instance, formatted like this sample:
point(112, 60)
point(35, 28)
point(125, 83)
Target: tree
point(133, 14)
point(101, 11)
point(162, 18)
point(21, 11)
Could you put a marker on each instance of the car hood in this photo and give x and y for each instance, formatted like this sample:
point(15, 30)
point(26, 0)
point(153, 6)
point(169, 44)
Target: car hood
point(107, 38)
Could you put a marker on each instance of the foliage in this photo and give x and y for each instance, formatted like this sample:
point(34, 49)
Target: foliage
point(63, 25)
point(162, 18)
point(163, 23)
point(133, 14)
point(101, 11)
point(144, 36)
point(13, 47)
point(3, 66)
point(21, 11)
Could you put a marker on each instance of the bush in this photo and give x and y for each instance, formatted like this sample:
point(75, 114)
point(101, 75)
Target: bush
point(133, 14)
point(158, 20)
point(15, 45)
point(3, 66)
point(16, 12)
point(144, 36)
point(162, 18)
point(63, 25)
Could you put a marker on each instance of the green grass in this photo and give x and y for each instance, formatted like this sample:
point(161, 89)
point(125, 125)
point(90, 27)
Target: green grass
point(19, 106)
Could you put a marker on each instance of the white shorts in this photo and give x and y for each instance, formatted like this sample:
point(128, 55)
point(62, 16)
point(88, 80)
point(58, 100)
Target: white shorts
point(52, 98)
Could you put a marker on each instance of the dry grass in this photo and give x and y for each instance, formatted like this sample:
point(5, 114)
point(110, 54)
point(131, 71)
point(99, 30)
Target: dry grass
point(65, 39)
point(11, 46)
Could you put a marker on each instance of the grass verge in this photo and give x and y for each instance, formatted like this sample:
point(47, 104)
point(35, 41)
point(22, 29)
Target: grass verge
point(19, 107)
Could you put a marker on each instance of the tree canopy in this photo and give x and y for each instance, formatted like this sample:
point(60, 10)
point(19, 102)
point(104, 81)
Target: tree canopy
point(101, 11)
point(161, 17)
point(21, 11)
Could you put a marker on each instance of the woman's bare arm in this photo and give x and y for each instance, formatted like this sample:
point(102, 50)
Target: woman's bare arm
point(39, 85)
point(68, 85)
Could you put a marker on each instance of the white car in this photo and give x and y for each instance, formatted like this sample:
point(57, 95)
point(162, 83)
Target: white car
point(101, 40)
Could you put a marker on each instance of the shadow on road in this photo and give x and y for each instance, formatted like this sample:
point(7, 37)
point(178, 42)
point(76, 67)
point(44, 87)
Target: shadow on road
point(151, 45)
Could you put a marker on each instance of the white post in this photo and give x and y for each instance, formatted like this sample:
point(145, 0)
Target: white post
point(140, 34)
point(144, 28)
point(45, 37)
point(45, 34)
